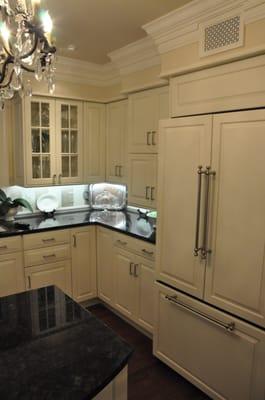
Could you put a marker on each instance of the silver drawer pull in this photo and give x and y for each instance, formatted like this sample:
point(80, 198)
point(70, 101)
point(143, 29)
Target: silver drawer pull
point(121, 242)
point(48, 240)
point(3, 247)
point(228, 327)
point(49, 256)
point(149, 253)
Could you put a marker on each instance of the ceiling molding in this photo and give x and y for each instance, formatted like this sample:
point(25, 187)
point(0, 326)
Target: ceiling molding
point(82, 72)
point(182, 26)
point(136, 56)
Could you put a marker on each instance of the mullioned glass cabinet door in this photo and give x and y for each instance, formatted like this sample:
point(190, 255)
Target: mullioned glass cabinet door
point(69, 131)
point(40, 137)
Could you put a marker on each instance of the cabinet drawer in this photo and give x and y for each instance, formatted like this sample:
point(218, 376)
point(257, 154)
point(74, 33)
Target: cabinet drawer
point(46, 239)
point(47, 255)
point(191, 337)
point(10, 245)
point(140, 247)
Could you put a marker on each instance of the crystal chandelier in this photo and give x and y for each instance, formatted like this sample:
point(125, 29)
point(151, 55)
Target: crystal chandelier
point(25, 46)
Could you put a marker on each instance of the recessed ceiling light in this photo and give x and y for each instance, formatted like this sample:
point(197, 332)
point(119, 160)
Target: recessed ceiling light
point(71, 47)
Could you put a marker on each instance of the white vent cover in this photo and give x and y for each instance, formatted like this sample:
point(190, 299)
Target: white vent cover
point(221, 35)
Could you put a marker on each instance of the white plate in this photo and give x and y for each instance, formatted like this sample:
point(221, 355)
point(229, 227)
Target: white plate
point(47, 203)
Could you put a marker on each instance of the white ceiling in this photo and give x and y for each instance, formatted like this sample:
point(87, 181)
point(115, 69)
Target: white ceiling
point(97, 27)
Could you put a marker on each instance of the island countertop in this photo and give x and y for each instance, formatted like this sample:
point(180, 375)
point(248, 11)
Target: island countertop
point(51, 348)
point(126, 222)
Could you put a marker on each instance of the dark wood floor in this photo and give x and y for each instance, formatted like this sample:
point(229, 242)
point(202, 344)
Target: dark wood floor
point(149, 379)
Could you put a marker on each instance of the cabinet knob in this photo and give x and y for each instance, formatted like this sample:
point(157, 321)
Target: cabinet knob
point(152, 193)
point(147, 188)
point(153, 138)
point(148, 134)
point(54, 179)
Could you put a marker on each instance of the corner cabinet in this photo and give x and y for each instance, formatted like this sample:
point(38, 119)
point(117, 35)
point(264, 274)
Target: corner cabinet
point(116, 149)
point(145, 110)
point(48, 141)
point(142, 180)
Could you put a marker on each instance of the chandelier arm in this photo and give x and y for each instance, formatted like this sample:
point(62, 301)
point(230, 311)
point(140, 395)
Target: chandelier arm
point(8, 61)
point(9, 81)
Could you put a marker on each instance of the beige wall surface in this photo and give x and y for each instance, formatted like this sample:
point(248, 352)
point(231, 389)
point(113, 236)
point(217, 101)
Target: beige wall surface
point(79, 91)
point(187, 58)
point(143, 79)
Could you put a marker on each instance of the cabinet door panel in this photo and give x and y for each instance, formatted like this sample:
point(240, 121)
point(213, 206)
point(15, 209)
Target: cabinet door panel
point(84, 263)
point(105, 268)
point(94, 142)
point(226, 365)
point(11, 274)
point(185, 143)
point(58, 274)
point(40, 140)
point(125, 288)
point(142, 110)
point(142, 178)
point(69, 129)
point(146, 295)
point(116, 142)
point(235, 279)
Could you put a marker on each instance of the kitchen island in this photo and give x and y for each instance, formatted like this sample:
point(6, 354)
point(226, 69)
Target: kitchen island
point(51, 348)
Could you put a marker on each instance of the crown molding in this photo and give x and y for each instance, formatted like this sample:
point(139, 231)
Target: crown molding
point(136, 56)
point(82, 72)
point(182, 26)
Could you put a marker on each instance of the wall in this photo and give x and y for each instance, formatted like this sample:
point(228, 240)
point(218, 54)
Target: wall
point(69, 197)
point(186, 58)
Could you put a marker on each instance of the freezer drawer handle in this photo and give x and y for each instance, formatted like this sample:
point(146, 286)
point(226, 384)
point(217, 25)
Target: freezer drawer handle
point(228, 327)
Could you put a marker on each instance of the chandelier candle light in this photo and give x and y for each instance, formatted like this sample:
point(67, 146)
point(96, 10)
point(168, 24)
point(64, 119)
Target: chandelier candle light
point(25, 45)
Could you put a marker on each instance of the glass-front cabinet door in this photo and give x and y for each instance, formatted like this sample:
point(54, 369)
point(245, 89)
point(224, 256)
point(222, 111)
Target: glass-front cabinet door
point(40, 149)
point(69, 141)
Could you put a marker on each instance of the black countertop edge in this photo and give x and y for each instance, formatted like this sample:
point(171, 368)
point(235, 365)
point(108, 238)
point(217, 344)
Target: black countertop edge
point(18, 232)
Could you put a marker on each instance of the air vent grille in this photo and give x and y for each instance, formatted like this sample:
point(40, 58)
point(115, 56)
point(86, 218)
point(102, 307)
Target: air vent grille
point(222, 35)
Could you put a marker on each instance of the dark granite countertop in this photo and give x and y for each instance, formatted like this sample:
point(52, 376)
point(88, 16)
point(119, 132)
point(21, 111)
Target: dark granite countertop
point(51, 348)
point(126, 222)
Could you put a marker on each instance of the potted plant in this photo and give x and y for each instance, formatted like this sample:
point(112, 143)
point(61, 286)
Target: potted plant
point(9, 207)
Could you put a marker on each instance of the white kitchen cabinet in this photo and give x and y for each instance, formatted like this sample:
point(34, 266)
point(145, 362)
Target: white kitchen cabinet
point(125, 299)
point(84, 279)
point(229, 271)
point(116, 146)
point(58, 274)
point(5, 129)
point(94, 142)
point(134, 287)
point(145, 110)
point(69, 141)
point(11, 274)
point(220, 354)
point(105, 265)
point(142, 170)
point(48, 141)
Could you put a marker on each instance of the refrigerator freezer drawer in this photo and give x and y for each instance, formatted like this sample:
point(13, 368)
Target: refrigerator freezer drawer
point(220, 354)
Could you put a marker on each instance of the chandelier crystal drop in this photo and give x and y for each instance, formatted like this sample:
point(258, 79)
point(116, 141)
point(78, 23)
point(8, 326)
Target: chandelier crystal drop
point(25, 47)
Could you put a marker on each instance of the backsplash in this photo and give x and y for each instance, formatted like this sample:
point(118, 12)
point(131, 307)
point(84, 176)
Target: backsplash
point(69, 197)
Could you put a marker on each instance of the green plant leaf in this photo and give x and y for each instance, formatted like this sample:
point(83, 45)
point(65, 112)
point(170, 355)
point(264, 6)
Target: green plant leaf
point(3, 196)
point(23, 203)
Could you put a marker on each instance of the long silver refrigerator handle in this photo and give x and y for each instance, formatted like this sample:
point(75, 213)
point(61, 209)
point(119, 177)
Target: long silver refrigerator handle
point(230, 327)
point(198, 216)
point(204, 250)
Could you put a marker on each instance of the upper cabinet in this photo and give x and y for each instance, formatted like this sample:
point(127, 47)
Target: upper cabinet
point(48, 141)
point(94, 142)
point(58, 141)
point(116, 168)
point(69, 141)
point(145, 110)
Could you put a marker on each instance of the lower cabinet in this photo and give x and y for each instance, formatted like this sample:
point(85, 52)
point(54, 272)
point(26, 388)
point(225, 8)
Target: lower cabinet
point(58, 274)
point(84, 276)
point(105, 270)
point(220, 354)
point(11, 274)
point(134, 287)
